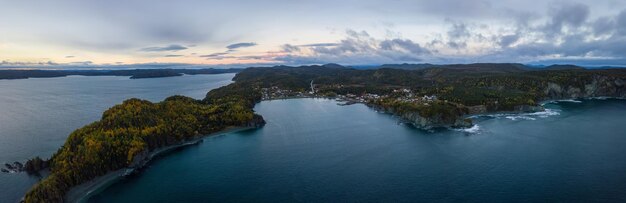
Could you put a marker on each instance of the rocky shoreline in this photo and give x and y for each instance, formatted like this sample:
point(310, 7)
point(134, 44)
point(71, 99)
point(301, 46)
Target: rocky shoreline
point(465, 121)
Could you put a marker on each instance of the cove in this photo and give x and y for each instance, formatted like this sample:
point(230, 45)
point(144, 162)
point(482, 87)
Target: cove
point(312, 150)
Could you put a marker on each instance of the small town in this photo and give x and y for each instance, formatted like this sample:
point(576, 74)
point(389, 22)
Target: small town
point(402, 95)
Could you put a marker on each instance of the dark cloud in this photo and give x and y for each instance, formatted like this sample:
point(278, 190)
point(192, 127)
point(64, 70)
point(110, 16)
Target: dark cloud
point(458, 30)
point(620, 21)
point(173, 47)
point(458, 34)
point(603, 26)
point(457, 44)
point(319, 45)
point(507, 40)
point(403, 44)
point(217, 56)
point(173, 55)
point(240, 45)
point(22, 63)
point(253, 57)
point(289, 48)
point(214, 54)
point(571, 15)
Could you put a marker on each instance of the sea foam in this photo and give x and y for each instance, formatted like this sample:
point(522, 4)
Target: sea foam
point(475, 129)
point(524, 116)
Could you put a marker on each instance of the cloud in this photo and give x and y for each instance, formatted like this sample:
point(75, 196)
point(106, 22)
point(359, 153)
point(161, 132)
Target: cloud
point(445, 31)
point(570, 15)
point(458, 30)
point(319, 45)
point(69, 56)
point(603, 26)
point(355, 48)
point(507, 40)
point(173, 47)
point(173, 55)
point(240, 45)
point(621, 23)
point(403, 44)
point(296, 48)
point(27, 63)
point(84, 63)
point(214, 54)
point(290, 48)
point(217, 56)
point(458, 35)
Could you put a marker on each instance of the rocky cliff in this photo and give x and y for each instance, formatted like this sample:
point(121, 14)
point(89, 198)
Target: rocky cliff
point(436, 120)
point(598, 86)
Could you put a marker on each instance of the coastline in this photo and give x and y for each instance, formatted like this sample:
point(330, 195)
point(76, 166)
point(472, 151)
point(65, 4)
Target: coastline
point(470, 116)
point(82, 192)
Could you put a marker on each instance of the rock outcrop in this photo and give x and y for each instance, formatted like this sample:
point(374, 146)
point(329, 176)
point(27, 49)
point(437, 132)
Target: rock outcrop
point(437, 120)
point(256, 122)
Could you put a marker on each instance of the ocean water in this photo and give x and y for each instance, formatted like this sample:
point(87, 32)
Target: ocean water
point(37, 115)
point(312, 150)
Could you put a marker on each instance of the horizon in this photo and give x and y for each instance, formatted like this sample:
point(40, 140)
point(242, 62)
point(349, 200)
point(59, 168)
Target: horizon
point(372, 32)
point(156, 66)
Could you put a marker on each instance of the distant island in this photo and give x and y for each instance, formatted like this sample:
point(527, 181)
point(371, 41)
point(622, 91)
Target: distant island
point(133, 73)
point(441, 96)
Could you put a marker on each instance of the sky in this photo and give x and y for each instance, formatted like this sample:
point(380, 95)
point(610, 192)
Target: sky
point(294, 32)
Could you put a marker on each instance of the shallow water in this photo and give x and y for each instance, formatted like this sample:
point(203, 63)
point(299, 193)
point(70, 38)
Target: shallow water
point(312, 150)
point(37, 115)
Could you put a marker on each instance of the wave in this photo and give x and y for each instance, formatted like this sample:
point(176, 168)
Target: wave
point(514, 118)
point(561, 100)
point(545, 113)
point(569, 100)
point(475, 129)
point(603, 98)
point(523, 116)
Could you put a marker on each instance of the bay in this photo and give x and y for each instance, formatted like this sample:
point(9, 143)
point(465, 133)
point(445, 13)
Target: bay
point(312, 150)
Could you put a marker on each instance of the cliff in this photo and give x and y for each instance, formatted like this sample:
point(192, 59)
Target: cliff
point(428, 117)
point(598, 86)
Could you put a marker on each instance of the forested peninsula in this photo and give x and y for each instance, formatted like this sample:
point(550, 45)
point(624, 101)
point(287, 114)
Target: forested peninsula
point(429, 97)
point(128, 132)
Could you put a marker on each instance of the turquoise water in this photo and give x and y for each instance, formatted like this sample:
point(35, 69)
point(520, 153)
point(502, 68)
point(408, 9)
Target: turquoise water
point(312, 150)
point(37, 115)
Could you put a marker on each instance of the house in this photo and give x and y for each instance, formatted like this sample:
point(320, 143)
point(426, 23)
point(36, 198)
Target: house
point(429, 98)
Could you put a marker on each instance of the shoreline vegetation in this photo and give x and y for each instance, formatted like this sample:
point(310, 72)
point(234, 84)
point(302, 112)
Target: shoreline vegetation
point(427, 97)
point(132, 73)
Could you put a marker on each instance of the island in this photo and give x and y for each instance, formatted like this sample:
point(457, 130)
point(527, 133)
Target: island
point(426, 96)
point(133, 73)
